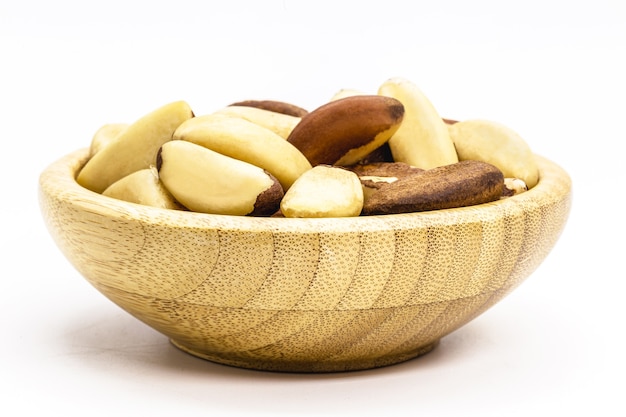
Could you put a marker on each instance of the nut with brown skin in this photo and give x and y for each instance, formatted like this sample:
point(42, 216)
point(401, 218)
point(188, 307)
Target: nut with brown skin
point(460, 184)
point(275, 106)
point(376, 175)
point(344, 131)
point(384, 169)
point(208, 182)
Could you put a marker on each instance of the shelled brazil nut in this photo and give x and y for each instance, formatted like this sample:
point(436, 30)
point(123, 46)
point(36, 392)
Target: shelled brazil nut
point(134, 148)
point(344, 131)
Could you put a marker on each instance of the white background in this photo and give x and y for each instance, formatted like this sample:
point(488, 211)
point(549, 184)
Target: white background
point(553, 71)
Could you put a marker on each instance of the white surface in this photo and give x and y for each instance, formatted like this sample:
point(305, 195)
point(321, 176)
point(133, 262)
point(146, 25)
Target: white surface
point(554, 71)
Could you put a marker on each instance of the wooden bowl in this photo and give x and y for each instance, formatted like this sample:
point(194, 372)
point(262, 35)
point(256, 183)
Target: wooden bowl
point(303, 295)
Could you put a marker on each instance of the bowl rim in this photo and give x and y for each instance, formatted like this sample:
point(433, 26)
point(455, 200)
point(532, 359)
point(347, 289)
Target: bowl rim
point(58, 181)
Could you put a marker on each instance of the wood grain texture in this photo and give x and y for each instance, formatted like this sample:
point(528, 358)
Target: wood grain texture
point(303, 295)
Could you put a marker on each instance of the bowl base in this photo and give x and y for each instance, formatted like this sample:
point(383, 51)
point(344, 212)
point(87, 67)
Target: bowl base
point(304, 366)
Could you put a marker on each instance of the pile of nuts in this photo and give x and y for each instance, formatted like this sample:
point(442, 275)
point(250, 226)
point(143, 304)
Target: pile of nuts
point(358, 154)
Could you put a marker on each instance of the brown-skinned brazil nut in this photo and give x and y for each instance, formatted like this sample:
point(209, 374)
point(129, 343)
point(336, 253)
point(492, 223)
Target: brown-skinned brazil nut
point(344, 131)
point(275, 106)
point(375, 175)
point(461, 184)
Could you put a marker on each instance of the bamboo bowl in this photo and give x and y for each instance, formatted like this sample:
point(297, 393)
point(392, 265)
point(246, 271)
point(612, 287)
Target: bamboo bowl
point(303, 295)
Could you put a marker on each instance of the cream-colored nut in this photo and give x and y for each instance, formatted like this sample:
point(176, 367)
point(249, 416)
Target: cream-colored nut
point(105, 135)
point(246, 141)
point(423, 139)
point(281, 124)
point(143, 187)
point(275, 106)
point(492, 142)
point(134, 148)
point(460, 184)
point(513, 186)
point(206, 181)
point(342, 132)
point(324, 191)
